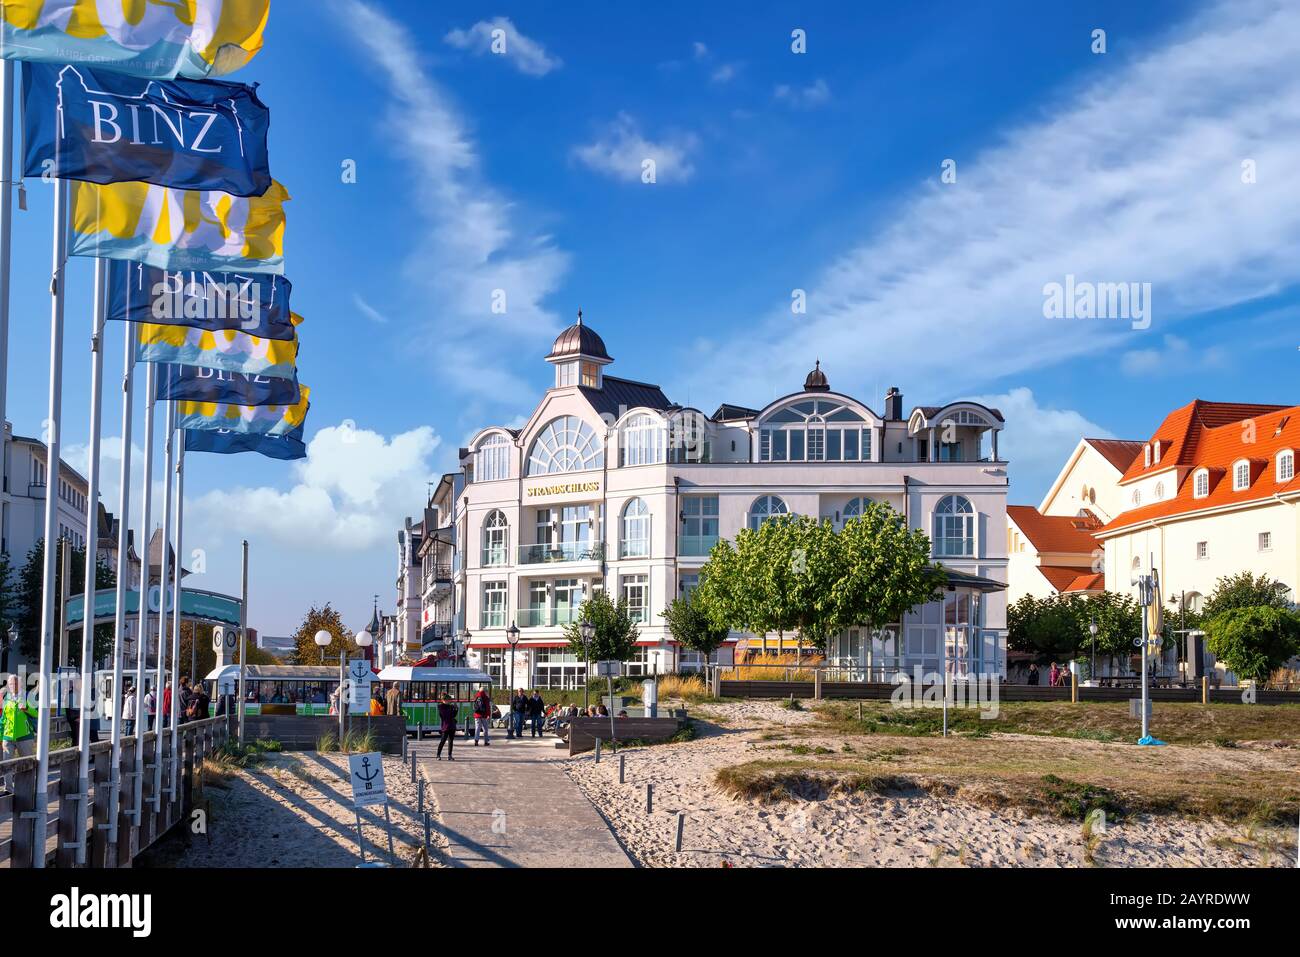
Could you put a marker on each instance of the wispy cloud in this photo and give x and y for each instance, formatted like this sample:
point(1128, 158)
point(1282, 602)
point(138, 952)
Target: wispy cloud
point(488, 274)
point(1135, 177)
point(621, 152)
point(807, 97)
point(369, 311)
point(502, 38)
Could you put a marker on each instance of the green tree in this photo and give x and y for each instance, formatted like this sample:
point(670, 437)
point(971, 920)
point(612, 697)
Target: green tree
point(28, 593)
point(754, 585)
point(1245, 590)
point(306, 651)
point(1252, 642)
point(1045, 627)
point(883, 570)
point(615, 631)
point(11, 607)
point(689, 623)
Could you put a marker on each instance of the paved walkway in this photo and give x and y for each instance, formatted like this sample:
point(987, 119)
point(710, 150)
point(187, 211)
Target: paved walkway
point(511, 805)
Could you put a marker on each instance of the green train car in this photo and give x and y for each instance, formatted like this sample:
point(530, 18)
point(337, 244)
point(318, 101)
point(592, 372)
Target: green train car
point(422, 688)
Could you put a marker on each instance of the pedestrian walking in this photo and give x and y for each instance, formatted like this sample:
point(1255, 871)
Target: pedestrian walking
point(150, 708)
point(482, 716)
point(199, 701)
point(18, 728)
point(518, 709)
point(536, 712)
point(393, 700)
point(128, 711)
point(447, 726)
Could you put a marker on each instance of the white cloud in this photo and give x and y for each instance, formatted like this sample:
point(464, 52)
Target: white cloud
point(815, 94)
point(1036, 441)
point(473, 254)
point(502, 38)
point(369, 311)
point(1136, 177)
point(724, 73)
point(620, 150)
point(1175, 356)
point(352, 492)
point(699, 50)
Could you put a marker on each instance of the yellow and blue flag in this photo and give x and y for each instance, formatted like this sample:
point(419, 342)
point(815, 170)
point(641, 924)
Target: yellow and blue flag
point(180, 228)
point(229, 350)
point(187, 38)
point(225, 442)
point(251, 419)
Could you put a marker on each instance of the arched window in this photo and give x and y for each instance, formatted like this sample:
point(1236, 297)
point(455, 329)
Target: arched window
point(642, 441)
point(1137, 562)
point(1201, 484)
point(496, 538)
point(1285, 465)
point(1241, 476)
point(818, 430)
point(1160, 491)
point(954, 527)
point(636, 529)
point(764, 509)
point(492, 460)
point(567, 444)
point(855, 508)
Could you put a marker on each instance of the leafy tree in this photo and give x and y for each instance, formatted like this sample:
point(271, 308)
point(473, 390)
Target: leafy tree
point(1045, 627)
point(1252, 642)
point(11, 607)
point(883, 571)
point(750, 586)
point(689, 623)
point(306, 651)
point(1245, 590)
point(615, 631)
point(29, 591)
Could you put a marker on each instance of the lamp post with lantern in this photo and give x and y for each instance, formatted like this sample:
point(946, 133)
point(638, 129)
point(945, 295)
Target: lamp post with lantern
point(587, 631)
point(512, 636)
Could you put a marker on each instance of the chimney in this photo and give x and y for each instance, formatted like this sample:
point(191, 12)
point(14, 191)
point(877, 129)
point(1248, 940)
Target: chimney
point(893, 404)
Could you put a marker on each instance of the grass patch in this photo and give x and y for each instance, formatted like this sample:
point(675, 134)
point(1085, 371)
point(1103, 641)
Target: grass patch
point(231, 755)
point(1223, 725)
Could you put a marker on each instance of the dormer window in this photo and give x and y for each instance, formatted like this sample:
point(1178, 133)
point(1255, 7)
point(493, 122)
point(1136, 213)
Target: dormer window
point(1160, 491)
point(1156, 455)
point(566, 373)
point(1137, 497)
point(591, 375)
point(1285, 465)
point(1146, 456)
point(1241, 476)
point(1201, 484)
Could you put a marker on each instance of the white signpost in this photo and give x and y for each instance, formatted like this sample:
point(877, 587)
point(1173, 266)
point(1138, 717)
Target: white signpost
point(359, 678)
point(610, 670)
point(366, 772)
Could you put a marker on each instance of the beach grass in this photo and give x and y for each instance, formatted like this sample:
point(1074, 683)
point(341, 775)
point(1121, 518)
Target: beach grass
point(1217, 725)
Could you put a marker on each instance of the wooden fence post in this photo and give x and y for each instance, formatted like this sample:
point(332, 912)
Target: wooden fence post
point(1205, 689)
point(100, 774)
point(72, 812)
point(22, 848)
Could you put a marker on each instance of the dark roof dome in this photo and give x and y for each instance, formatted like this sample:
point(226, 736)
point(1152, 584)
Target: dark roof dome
point(816, 381)
point(579, 340)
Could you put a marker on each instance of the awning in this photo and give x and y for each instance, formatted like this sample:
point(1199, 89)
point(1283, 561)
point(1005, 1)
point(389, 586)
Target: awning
point(958, 579)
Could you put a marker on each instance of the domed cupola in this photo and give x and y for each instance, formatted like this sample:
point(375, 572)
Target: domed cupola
point(816, 381)
point(578, 355)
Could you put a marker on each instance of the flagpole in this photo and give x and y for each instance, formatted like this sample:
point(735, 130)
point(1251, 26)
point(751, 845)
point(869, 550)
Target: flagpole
point(176, 589)
point(52, 443)
point(143, 626)
point(163, 565)
point(6, 225)
point(119, 605)
point(92, 558)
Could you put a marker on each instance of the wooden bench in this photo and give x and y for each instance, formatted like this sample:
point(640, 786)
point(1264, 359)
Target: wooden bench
point(583, 732)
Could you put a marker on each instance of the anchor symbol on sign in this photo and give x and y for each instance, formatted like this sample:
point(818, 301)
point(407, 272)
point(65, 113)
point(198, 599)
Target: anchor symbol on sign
point(359, 670)
point(367, 778)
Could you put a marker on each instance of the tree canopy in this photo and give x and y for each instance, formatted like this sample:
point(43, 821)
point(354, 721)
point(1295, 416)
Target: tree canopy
point(307, 652)
point(1254, 641)
point(615, 631)
point(689, 624)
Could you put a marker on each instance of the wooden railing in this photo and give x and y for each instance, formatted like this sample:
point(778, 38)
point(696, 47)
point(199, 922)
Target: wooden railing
point(73, 817)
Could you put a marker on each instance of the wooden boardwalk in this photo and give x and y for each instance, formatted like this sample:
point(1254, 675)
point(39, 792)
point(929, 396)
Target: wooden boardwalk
point(512, 805)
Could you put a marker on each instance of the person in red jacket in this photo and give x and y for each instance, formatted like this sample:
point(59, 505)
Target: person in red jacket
point(482, 716)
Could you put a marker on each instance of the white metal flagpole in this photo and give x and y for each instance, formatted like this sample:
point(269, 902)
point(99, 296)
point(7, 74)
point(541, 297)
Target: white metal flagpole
point(92, 558)
point(142, 629)
point(119, 606)
point(176, 589)
point(163, 565)
point(6, 221)
point(53, 424)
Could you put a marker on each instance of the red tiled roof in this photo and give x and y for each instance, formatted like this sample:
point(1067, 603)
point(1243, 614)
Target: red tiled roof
point(1066, 579)
point(1118, 452)
point(1214, 436)
point(1182, 431)
point(1089, 582)
point(1054, 533)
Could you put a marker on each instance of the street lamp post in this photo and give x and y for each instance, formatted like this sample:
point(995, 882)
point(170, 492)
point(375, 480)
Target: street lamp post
point(512, 636)
point(463, 648)
point(364, 640)
point(1093, 629)
point(588, 631)
point(323, 639)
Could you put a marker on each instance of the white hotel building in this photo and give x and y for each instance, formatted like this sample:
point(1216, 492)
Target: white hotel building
point(609, 485)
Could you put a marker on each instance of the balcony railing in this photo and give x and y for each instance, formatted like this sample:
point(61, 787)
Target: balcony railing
point(696, 544)
point(561, 552)
point(634, 548)
point(495, 555)
point(547, 617)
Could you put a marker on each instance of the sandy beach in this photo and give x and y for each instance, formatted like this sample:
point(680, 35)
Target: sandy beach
point(908, 828)
point(294, 809)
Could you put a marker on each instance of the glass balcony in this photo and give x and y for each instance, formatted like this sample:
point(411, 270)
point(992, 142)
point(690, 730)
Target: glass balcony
point(494, 555)
point(561, 552)
point(696, 544)
point(634, 548)
point(547, 617)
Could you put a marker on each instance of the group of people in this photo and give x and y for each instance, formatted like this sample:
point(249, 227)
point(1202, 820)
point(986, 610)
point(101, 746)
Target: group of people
point(193, 703)
point(1057, 676)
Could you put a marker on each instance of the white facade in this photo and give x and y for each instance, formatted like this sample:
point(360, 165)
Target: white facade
point(610, 486)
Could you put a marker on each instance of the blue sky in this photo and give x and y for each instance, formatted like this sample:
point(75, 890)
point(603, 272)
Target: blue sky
point(775, 171)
